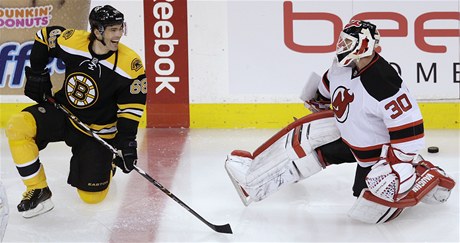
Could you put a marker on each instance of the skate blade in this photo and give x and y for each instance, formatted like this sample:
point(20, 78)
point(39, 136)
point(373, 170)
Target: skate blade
point(245, 198)
point(41, 208)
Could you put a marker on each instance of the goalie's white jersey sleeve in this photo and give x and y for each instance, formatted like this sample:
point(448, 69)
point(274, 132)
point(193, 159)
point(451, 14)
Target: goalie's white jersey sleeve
point(373, 107)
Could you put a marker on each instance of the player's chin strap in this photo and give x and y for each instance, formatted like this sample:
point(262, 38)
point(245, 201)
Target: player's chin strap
point(432, 186)
point(218, 228)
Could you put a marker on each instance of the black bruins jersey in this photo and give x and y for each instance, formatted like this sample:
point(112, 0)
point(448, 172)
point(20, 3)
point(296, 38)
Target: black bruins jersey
point(106, 92)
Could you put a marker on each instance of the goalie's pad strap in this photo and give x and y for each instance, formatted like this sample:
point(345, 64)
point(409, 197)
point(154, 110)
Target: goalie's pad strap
point(296, 143)
point(296, 123)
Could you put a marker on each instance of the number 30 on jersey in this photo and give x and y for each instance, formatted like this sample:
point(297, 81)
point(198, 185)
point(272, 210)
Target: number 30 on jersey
point(399, 106)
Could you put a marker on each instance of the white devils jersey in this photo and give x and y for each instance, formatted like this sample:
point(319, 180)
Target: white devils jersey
point(373, 107)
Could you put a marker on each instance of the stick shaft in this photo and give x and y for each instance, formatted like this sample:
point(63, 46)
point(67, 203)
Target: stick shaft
point(218, 228)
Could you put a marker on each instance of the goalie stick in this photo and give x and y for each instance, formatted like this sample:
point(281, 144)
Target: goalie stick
point(218, 228)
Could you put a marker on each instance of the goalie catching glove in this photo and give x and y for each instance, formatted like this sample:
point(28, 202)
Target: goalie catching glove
point(38, 84)
point(127, 156)
point(393, 176)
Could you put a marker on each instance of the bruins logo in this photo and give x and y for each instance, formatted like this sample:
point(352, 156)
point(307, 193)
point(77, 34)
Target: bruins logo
point(81, 90)
point(68, 33)
point(136, 64)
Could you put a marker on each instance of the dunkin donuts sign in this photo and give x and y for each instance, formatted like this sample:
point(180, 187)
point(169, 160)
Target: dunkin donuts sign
point(19, 21)
point(29, 17)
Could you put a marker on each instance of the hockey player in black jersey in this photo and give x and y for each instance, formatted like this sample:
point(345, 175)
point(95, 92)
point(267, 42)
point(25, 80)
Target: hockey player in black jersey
point(105, 87)
point(362, 113)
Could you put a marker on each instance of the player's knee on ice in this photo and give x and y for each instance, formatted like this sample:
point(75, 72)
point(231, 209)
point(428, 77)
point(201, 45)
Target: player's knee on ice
point(92, 197)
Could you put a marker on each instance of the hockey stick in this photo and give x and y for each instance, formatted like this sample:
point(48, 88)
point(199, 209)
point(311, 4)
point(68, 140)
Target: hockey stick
point(218, 228)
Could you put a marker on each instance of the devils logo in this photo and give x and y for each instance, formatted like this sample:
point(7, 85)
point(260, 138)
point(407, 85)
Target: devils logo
point(341, 100)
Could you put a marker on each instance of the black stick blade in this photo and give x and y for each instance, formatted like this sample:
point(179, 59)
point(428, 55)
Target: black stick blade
point(223, 228)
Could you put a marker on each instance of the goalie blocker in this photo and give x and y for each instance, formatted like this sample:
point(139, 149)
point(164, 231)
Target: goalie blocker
point(287, 157)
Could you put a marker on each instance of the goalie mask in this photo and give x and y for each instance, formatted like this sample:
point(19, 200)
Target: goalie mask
point(357, 39)
point(103, 16)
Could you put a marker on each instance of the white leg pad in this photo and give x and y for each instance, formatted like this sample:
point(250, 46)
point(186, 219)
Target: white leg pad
point(283, 161)
point(308, 165)
point(370, 212)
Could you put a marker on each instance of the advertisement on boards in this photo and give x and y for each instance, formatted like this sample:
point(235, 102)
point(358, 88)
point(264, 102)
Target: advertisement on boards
point(19, 21)
point(275, 45)
point(166, 62)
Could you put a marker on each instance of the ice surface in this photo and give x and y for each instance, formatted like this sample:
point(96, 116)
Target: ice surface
point(189, 163)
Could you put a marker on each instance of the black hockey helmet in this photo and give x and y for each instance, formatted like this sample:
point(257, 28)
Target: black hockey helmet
point(103, 16)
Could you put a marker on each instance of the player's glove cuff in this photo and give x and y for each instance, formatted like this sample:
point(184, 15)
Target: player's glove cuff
point(127, 157)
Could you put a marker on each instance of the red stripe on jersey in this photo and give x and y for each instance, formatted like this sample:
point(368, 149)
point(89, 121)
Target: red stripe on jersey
point(364, 149)
point(407, 132)
point(403, 140)
point(412, 124)
point(365, 154)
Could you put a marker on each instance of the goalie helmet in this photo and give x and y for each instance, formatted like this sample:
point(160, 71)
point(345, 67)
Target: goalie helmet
point(357, 39)
point(103, 16)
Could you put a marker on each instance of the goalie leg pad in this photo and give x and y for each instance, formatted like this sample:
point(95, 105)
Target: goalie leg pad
point(257, 185)
point(287, 157)
point(369, 211)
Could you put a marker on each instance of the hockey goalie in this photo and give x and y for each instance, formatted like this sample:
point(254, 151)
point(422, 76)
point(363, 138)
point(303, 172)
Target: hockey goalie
point(363, 113)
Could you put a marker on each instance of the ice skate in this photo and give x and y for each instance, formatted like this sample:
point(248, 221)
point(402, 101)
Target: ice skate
point(35, 202)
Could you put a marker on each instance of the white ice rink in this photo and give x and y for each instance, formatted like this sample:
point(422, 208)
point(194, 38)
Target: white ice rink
point(190, 164)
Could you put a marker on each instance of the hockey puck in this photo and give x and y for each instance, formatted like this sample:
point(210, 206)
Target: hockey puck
point(433, 149)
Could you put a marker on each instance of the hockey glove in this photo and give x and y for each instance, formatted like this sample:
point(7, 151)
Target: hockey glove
point(128, 156)
point(317, 103)
point(38, 84)
point(316, 106)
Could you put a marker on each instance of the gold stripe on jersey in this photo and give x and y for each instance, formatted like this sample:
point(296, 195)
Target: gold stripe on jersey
point(42, 36)
point(133, 106)
point(131, 111)
point(129, 116)
point(96, 127)
point(104, 131)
